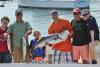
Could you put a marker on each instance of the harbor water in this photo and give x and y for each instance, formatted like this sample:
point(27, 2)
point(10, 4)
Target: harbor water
point(40, 19)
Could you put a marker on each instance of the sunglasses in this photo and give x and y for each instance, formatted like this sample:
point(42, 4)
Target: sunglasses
point(84, 14)
point(76, 13)
point(19, 14)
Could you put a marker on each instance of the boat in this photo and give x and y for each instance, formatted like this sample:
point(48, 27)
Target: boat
point(2, 2)
point(64, 4)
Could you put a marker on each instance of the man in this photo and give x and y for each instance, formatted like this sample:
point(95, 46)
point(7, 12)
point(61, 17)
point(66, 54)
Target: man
point(93, 33)
point(62, 49)
point(17, 30)
point(80, 41)
point(5, 56)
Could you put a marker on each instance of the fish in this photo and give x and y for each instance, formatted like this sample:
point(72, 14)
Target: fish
point(9, 47)
point(23, 48)
point(52, 39)
point(9, 43)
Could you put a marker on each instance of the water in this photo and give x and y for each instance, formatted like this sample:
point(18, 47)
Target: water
point(40, 18)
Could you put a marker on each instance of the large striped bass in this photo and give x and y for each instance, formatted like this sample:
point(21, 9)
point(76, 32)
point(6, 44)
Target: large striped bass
point(9, 46)
point(52, 39)
point(24, 48)
point(9, 43)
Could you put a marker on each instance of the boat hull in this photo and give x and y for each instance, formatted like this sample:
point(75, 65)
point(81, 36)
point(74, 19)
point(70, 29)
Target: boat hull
point(55, 4)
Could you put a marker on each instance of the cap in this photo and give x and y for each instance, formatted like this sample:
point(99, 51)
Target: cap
point(18, 12)
point(85, 11)
point(54, 12)
point(76, 10)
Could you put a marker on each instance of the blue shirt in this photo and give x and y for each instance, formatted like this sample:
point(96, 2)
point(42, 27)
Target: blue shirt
point(38, 52)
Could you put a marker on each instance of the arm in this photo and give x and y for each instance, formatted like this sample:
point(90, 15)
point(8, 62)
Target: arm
point(69, 28)
point(50, 29)
point(92, 35)
point(91, 24)
point(9, 31)
point(29, 30)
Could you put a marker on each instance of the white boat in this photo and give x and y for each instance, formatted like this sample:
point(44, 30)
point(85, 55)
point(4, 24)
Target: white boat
point(65, 4)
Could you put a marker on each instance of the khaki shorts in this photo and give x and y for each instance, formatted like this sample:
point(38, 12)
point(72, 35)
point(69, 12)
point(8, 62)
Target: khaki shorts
point(97, 43)
point(17, 56)
point(96, 46)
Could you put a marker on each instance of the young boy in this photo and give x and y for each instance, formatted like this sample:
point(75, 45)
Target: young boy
point(38, 52)
point(5, 56)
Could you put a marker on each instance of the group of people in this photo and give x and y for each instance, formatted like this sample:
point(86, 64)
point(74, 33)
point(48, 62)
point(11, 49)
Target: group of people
point(82, 39)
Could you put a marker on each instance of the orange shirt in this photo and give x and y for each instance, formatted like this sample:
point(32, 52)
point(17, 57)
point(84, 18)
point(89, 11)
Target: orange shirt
point(61, 26)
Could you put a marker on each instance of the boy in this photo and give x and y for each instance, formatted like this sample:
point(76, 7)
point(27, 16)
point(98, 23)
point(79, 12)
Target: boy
point(38, 52)
point(5, 56)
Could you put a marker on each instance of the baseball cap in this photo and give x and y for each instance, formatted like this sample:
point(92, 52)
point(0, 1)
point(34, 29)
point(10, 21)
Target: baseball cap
point(85, 12)
point(76, 10)
point(18, 12)
point(54, 12)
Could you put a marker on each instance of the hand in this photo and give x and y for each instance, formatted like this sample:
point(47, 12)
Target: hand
point(85, 18)
point(5, 35)
point(92, 43)
point(41, 47)
point(50, 45)
point(46, 43)
point(26, 35)
point(12, 53)
point(30, 54)
point(70, 35)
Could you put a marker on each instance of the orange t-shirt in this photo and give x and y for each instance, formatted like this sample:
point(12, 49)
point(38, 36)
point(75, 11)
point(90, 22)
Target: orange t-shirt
point(61, 26)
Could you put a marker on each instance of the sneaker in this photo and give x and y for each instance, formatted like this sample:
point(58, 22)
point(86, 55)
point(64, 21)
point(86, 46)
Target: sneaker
point(94, 61)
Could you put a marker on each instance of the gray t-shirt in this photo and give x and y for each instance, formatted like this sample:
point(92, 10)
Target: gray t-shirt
point(17, 30)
